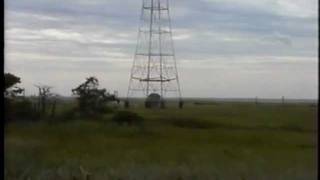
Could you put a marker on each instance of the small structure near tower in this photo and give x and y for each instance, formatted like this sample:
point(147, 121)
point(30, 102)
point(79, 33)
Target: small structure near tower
point(153, 101)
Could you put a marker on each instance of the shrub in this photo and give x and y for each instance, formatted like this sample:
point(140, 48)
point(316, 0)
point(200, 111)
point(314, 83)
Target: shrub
point(127, 117)
point(7, 109)
point(91, 99)
point(76, 113)
point(104, 109)
point(292, 127)
point(191, 123)
point(69, 114)
point(21, 109)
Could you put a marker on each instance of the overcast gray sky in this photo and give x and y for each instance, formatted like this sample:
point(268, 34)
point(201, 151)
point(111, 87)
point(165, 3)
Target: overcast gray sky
point(224, 48)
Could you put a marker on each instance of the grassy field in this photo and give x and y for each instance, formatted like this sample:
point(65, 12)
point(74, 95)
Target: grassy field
point(237, 141)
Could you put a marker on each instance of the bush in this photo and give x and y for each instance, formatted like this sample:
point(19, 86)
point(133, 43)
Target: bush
point(104, 109)
point(20, 110)
point(192, 123)
point(23, 108)
point(91, 99)
point(292, 127)
point(7, 109)
point(69, 114)
point(127, 117)
point(76, 113)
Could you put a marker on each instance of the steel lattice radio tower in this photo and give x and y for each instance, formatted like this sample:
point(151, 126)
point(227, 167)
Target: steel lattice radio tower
point(154, 70)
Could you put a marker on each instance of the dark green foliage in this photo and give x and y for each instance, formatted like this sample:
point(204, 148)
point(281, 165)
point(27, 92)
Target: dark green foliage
point(75, 113)
point(104, 109)
point(68, 114)
point(23, 109)
point(15, 108)
point(92, 100)
point(7, 109)
point(127, 117)
point(20, 109)
point(192, 123)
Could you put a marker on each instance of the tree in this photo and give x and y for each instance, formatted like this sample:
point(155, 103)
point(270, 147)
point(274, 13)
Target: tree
point(10, 88)
point(44, 94)
point(14, 107)
point(90, 98)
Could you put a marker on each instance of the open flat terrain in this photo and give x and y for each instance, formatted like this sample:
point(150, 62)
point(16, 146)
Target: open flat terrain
point(202, 141)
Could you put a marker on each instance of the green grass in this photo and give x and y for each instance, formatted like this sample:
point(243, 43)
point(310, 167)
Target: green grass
point(220, 141)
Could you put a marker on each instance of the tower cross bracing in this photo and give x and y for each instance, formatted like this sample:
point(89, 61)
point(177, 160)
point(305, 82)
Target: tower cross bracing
point(154, 68)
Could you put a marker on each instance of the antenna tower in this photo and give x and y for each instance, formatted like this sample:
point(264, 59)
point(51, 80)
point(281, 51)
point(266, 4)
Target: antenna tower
point(154, 69)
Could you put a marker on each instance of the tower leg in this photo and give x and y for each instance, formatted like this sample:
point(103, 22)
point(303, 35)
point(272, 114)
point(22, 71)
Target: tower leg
point(126, 104)
point(162, 104)
point(181, 104)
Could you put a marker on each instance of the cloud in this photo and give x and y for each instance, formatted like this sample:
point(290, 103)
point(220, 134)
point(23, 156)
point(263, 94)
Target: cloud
point(293, 8)
point(264, 39)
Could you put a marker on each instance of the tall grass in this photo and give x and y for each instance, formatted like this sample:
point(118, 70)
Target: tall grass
point(221, 141)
